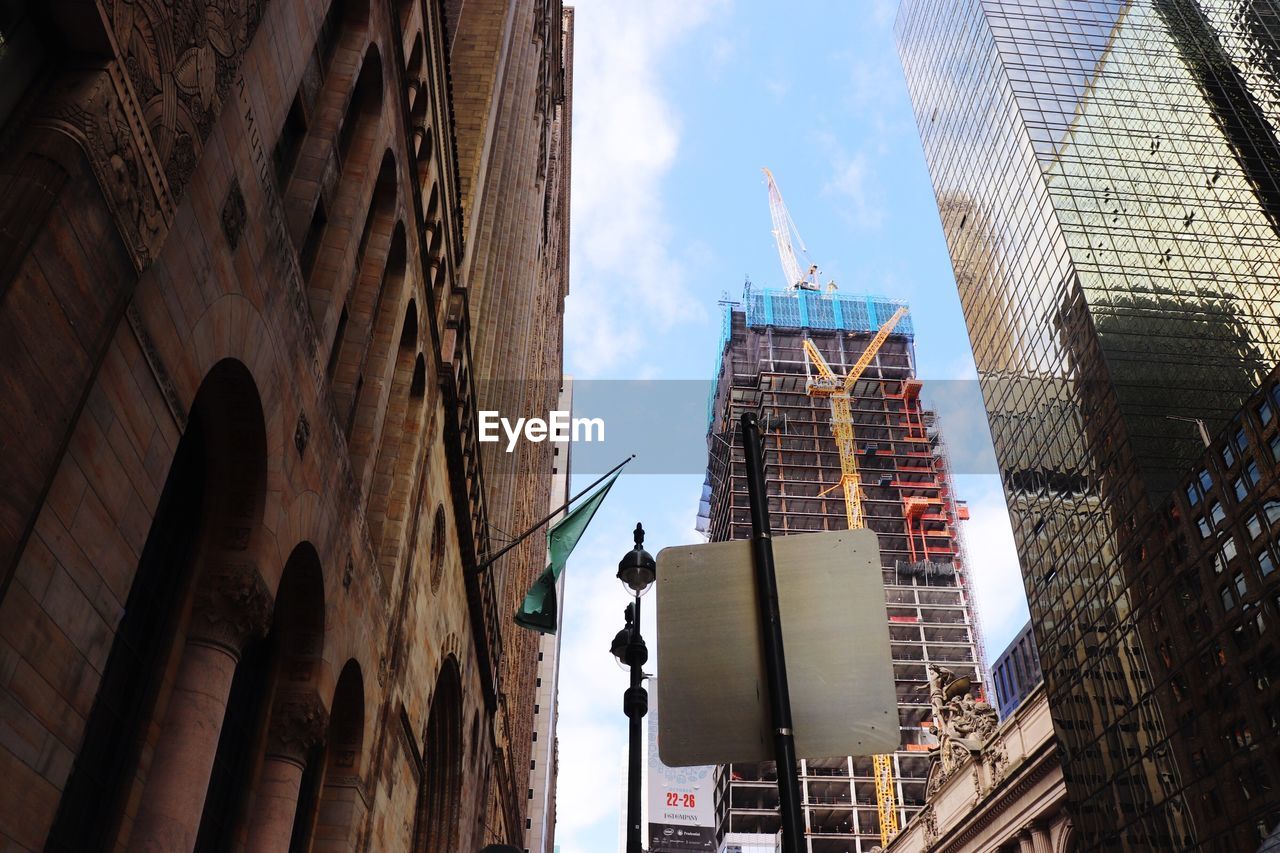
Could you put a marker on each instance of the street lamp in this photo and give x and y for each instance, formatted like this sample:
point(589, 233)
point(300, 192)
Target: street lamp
point(637, 570)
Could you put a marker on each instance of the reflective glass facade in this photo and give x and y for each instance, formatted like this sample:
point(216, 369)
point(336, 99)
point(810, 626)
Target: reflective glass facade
point(1106, 174)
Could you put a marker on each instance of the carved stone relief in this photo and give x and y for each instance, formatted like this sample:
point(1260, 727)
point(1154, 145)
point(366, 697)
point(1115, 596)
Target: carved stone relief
point(298, 722)
point(232, 606)
point(181, 57)
point(95, 111)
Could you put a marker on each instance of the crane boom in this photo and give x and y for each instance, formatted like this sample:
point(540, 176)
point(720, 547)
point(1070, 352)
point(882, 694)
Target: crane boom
point(783, 228)
point(859, 366)
point(840, 393)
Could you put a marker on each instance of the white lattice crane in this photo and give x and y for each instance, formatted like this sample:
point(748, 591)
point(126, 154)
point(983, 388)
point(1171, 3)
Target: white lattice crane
point(784, 228)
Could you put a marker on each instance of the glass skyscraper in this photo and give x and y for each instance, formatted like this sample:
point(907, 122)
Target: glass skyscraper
point(1106, 174)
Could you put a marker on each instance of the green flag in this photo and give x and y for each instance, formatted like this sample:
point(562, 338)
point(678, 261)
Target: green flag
point(538, 612)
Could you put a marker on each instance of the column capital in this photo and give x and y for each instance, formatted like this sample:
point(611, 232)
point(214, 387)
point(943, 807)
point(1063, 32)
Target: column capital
point(298, 722)
point(233, 606)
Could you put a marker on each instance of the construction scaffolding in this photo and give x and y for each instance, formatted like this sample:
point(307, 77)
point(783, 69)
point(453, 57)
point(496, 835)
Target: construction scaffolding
point(906, 498)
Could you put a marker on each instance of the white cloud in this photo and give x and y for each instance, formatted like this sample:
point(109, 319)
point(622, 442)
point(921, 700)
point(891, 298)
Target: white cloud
point(993, 561)
point(625, 138)
point(851, 181)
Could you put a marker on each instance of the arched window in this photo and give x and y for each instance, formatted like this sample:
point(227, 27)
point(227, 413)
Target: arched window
point(385, 366)
point(340, 811)
point(437, 548)
point(216, 483)
point(377, 278)
point(439, 796)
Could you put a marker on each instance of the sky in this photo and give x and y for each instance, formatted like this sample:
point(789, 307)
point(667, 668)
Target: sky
point(677, 105)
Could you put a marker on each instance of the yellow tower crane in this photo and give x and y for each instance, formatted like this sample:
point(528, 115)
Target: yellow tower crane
point(840, 393)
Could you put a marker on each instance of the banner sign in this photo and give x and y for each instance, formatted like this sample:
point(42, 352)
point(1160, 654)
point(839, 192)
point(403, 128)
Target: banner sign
point(681, 800)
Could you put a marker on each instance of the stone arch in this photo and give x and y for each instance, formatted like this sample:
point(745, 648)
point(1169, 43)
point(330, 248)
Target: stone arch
point(438, 537)
point(378, 364)
point(355, 136)
point(282, 803)
point(440, 795)
point(274, 694)
point(392, 406)
point(312, 119)
point(413, 70)
point(418, 123)
point(326, 247)
point(340, 810)
point(397, 460)
point(360, 301)
point(200, 546)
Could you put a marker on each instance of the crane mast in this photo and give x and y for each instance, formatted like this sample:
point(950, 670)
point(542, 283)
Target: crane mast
point(839, 391)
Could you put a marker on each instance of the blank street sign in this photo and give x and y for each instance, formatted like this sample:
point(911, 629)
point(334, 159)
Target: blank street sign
point(715, 708)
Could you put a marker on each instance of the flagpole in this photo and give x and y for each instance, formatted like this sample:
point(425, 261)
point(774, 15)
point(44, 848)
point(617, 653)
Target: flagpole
point(523, 536)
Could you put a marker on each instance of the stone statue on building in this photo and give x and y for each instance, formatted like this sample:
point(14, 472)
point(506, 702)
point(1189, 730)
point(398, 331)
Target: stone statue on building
point(962, 724)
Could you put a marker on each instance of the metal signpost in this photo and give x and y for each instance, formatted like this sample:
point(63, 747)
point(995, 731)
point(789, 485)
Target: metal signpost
point(775, 662)
point(725, 692)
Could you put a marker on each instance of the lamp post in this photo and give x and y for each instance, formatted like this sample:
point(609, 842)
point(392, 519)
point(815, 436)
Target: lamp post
point(637, 570)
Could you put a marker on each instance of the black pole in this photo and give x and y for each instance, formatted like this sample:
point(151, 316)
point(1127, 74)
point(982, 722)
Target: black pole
point(635, 703)
point(775, 664)
point(523, 536)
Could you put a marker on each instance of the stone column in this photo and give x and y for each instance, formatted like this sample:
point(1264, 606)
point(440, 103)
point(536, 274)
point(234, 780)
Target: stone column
point(231, 608)
point(1040, 837)
point(1025, 844)
point(298, 722)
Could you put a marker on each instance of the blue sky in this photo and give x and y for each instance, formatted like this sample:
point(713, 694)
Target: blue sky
point(677, 106)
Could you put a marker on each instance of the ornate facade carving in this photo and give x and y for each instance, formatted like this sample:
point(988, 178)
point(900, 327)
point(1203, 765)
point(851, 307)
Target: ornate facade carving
point(96, 111)
point(234, 215)
point(232, 607)
point(930, 821)
point(995, 757)
point(181, 57)
point(298, 722)
point(961, 723)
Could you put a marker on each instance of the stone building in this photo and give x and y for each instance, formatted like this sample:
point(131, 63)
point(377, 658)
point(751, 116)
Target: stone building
point(259, 261)
point(1005, 796)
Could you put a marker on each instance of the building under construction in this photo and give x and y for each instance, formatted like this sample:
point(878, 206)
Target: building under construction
point(906, 498)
